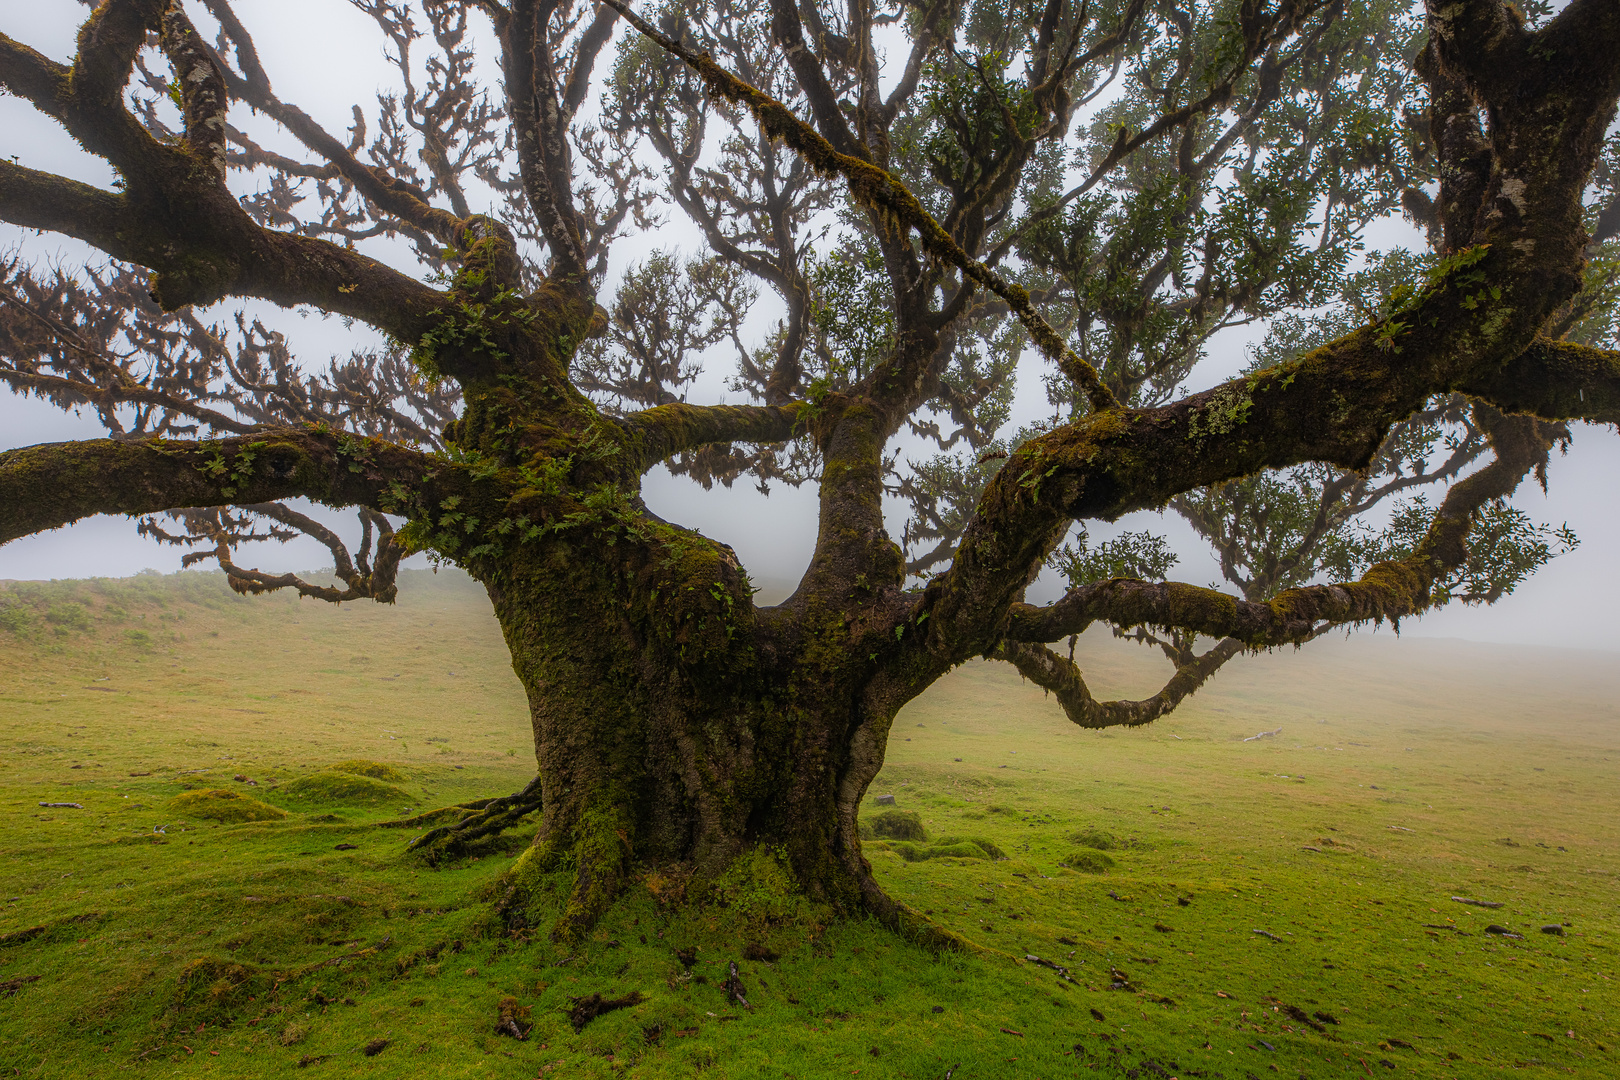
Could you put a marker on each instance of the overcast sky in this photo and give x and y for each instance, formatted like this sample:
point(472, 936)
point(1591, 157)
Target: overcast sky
point(1566, 604)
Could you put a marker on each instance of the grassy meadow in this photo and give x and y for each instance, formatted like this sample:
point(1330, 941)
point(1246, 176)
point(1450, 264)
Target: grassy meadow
point(1220, 906)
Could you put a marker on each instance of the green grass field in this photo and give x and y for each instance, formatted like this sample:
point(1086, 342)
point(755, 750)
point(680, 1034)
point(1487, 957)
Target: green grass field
point(1280, 906)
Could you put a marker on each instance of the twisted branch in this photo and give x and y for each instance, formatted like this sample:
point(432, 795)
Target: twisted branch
point(1390, 590)
point(1063, 678)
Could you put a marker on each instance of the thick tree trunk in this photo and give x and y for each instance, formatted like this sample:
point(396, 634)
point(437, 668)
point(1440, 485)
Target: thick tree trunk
point(673, 728)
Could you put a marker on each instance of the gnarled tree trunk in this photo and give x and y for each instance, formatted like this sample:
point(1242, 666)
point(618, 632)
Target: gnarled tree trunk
point(677, 726)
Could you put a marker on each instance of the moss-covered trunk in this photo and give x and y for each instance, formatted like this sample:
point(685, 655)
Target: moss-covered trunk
point(675, 729)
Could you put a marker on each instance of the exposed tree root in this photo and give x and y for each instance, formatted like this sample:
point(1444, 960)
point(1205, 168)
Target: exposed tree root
point(589, 1008)
point(599, 851)
point(602, 849)
point(484, 818)
point(909, 924)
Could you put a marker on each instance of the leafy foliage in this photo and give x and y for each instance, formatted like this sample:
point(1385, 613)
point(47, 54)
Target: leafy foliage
point(1128, 555)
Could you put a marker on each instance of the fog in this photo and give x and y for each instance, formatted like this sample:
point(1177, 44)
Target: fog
point(1564, 604)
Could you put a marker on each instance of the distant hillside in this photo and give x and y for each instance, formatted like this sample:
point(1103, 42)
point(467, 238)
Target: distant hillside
point(149, 608)
point(101, 619)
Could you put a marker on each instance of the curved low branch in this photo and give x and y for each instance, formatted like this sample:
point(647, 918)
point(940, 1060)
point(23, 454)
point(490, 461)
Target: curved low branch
point(672, 429)
point(1388, 590)
point(1063, 678)
point(374, 579)
point(55, 484)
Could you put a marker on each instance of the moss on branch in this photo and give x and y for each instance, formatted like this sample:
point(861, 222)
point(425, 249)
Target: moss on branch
point(55, 484)
point(1390, 590)
point(672, 429)
point(1554, 380)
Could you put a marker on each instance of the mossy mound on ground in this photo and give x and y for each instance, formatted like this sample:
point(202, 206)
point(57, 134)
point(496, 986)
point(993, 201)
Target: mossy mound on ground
point(898, 825)
point(1088, 862)
point(229, 807)
point(54, 932)
point(990, 850)
point(374, 769)
point(328, 788)
point(211, 990)
point(955, 847)
point(1102, 840)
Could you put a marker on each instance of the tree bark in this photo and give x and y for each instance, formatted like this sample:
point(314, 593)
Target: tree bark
point(677, 728)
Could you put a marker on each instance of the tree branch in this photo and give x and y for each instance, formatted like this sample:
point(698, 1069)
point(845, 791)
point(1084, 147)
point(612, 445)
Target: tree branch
point(1063, 678)
point(107, 44)
point(67, 390)
point(1483, 40)
point(389, 193)
point(217, 529)
point(1261, 37)
point(1388, 590)
point(879, 191)
point(201, 81)
point(177, 220)
point(216, 251)
point(787, 32)
point(55, 484)
point(671, 429)
point(1555, 380)
point(541, 128)
point(1111, 464)
point(41, 200)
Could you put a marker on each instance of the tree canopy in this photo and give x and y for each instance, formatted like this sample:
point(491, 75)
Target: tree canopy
point(913, 196)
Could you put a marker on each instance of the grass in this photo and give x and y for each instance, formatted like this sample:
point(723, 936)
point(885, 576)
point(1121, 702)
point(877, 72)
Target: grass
point(224, 807)
point(1231, 881)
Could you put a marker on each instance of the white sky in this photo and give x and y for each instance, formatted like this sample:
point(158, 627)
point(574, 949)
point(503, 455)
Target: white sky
point(1565, 604)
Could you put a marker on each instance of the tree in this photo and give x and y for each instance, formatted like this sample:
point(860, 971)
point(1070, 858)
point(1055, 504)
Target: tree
point(1112, 183)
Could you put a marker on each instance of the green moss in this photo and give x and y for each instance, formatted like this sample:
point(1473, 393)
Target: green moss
point(1227, 409)
point(525, 893)
point(953, 847)
point(986, 847)
point(328, 788)
point(603, 840)
point(226, 807)
point(1088, 861)
point(1095, 839)
point(211, 990)
point(898, 825)
point(374, 769)
point(759, 889)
